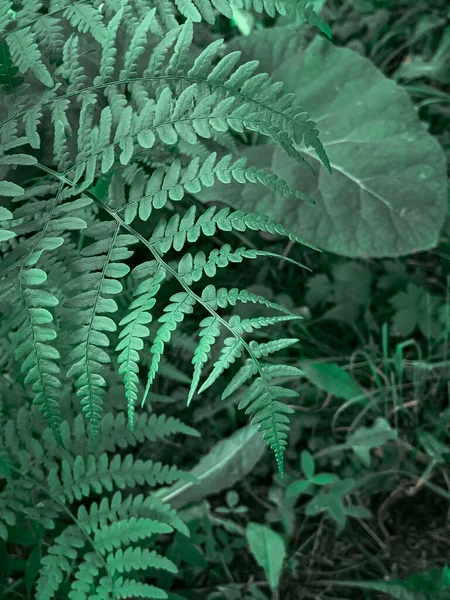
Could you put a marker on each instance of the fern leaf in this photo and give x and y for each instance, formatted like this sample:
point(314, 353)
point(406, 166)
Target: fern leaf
point(131, 587)
point(134, 329)
point(177, 62)
point(116, 433)
point(86, 18)
point(261, 400)
point(138, 559)
point(97, 474)
point(71, 69)
point(137, 506)
point(177, 181)
point(210, 331)
point(249, 369)
point(180, 305)
point(101, 266)
point(232, 350)
point(85, 576)
point(109, 51)
point(233, 347)
point(57, 562)
point(122, 533)
point(223, 297)
point(137, 47)
point(188, 9)
point(34, 349)
point(26, 55)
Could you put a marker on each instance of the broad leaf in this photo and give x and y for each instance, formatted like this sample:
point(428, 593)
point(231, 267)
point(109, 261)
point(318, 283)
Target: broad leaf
point(332, 379)
point(228, 462)
point(387, 195)
point(267, 547)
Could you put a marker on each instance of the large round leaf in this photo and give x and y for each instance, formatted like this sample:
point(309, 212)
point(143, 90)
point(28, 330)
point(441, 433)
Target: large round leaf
point(387, 194)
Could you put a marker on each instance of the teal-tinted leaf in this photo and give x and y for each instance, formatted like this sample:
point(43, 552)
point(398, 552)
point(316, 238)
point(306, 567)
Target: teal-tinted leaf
point(297, 487)
point(8, 188)
point(6, 235)
point(228, 462)
point(330, 378)
point(33, 277)
point(308, 464)
point(365, 438)
point(387, 193)
point(324, 479)
point(267, 547)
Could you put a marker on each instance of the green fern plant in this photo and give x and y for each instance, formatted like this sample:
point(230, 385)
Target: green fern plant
point(133, 135)
point(89, 501)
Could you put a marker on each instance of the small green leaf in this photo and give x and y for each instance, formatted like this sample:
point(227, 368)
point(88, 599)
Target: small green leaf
point(267, 547)
point(297, 487)
point(308, 464)
point(332, 379)
point(365, 438)
point(324, 479)
point(8, 188)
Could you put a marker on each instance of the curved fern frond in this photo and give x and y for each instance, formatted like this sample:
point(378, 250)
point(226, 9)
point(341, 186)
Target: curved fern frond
point(98, 474)
point(176, 181)
point(224, 297)
point(179, 230)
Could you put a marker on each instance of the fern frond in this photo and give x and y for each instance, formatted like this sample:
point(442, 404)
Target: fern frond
point(138, 559)
point(224, 297)
point(98, 474)
point(121, 533)
point(85, 17)
point(109, 51)
point(137, 47)
point(26, 55)
point(56, 564)
point(101, 265)
point(173, 184)
point(135, 328)
point(180, 305)
point(249, 368)
point(210, 331)
point(116, 433)
point(132, 588)
point(262, 401)
point(118, 507)
point(24, 282)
